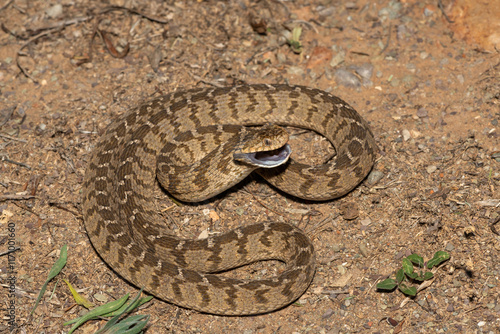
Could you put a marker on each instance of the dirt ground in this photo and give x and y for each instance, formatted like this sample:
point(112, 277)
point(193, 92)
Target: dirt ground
point(426, 78)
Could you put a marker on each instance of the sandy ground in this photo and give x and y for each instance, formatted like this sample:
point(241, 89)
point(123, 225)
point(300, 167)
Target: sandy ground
point(427, 80)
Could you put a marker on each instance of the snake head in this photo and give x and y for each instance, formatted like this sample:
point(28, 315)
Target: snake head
point(264, 146)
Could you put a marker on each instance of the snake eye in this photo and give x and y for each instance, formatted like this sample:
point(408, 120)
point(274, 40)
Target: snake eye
point(267, 142)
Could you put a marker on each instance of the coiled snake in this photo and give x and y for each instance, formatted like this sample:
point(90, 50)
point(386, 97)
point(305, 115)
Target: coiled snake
point(187, 137)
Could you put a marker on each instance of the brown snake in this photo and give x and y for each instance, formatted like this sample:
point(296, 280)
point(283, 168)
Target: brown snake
point(130, 235)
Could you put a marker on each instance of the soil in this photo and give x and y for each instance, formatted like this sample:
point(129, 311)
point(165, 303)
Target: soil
point(426, 77)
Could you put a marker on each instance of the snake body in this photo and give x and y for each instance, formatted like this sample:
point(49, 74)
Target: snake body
point(162, 135)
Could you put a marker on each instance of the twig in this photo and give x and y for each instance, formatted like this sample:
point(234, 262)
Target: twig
point(440, 5)
point(64, 24)
point(10, 251)
point(48, 30)
point(133, 11)
point(316, 226)
point(24, 207)
point(212, 83)
point(388, 40)
point(265, 206)
point(22, 164)
point(474, 308)
point(309, 24)
point(493, 223)
point(271, 48)
point(59, 206)
point(12, 138)
point(9, 115)
point(14, 197)
point(6, 5)
point(19, 53)
point(68, 160)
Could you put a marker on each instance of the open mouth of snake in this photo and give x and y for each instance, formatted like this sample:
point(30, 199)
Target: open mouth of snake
point(269, 159)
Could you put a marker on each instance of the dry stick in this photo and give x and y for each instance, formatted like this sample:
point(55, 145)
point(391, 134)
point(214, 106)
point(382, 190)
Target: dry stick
point(18, 53)
point(492, 225)
point(212, 82)
point(15, 197)
point(106, 42)
point(9, 115)
point(59, 25)
point(388, 40)
point(261, 52)
point(133, 11)
point(24, 207)
point(10, 251)
point(265, 206)
point(12, 138)
point(6, 5)
point(61, 207)
point(309, 24)
point(314, 230)
point(440, 5)
point(3, 158)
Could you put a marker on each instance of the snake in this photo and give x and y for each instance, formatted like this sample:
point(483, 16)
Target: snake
point(198, 143)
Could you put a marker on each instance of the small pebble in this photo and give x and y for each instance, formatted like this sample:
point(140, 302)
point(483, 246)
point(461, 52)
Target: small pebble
point(100, 297)
point(363, 249)
point(406, 135)
point(364, 70)
point(336, 247)
point(422, 112)
point(328, 313)
point(337, 59)
point(428, 12)
point(431, 169)
point(374, 177)
point(54, 11)
point(366, 221)
point(328, 11)
point(346, 78)
point(440, 84)
point(295, 70)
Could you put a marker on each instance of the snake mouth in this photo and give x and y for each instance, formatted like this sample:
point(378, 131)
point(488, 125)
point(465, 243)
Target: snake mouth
point(266, 159)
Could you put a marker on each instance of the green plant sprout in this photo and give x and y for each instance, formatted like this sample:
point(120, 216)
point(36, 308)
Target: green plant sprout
point(294, 42)
point(409, 274)
point(117, 309)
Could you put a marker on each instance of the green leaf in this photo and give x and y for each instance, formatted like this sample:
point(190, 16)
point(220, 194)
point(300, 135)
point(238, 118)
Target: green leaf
point(126, 326)
point(132, 304)
point(98, 311)
point(400, 276)
point(407, 266)
point(387, 284)
point(120, 310)
point(130, 325)
point(413, 275)
point(416, 259)
point(410, 291)
point(294, 42)
point(419, 277)
point(56, 269)
point(296, 32)
point(438, 258)
point(79, 299)
point(428, 275)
